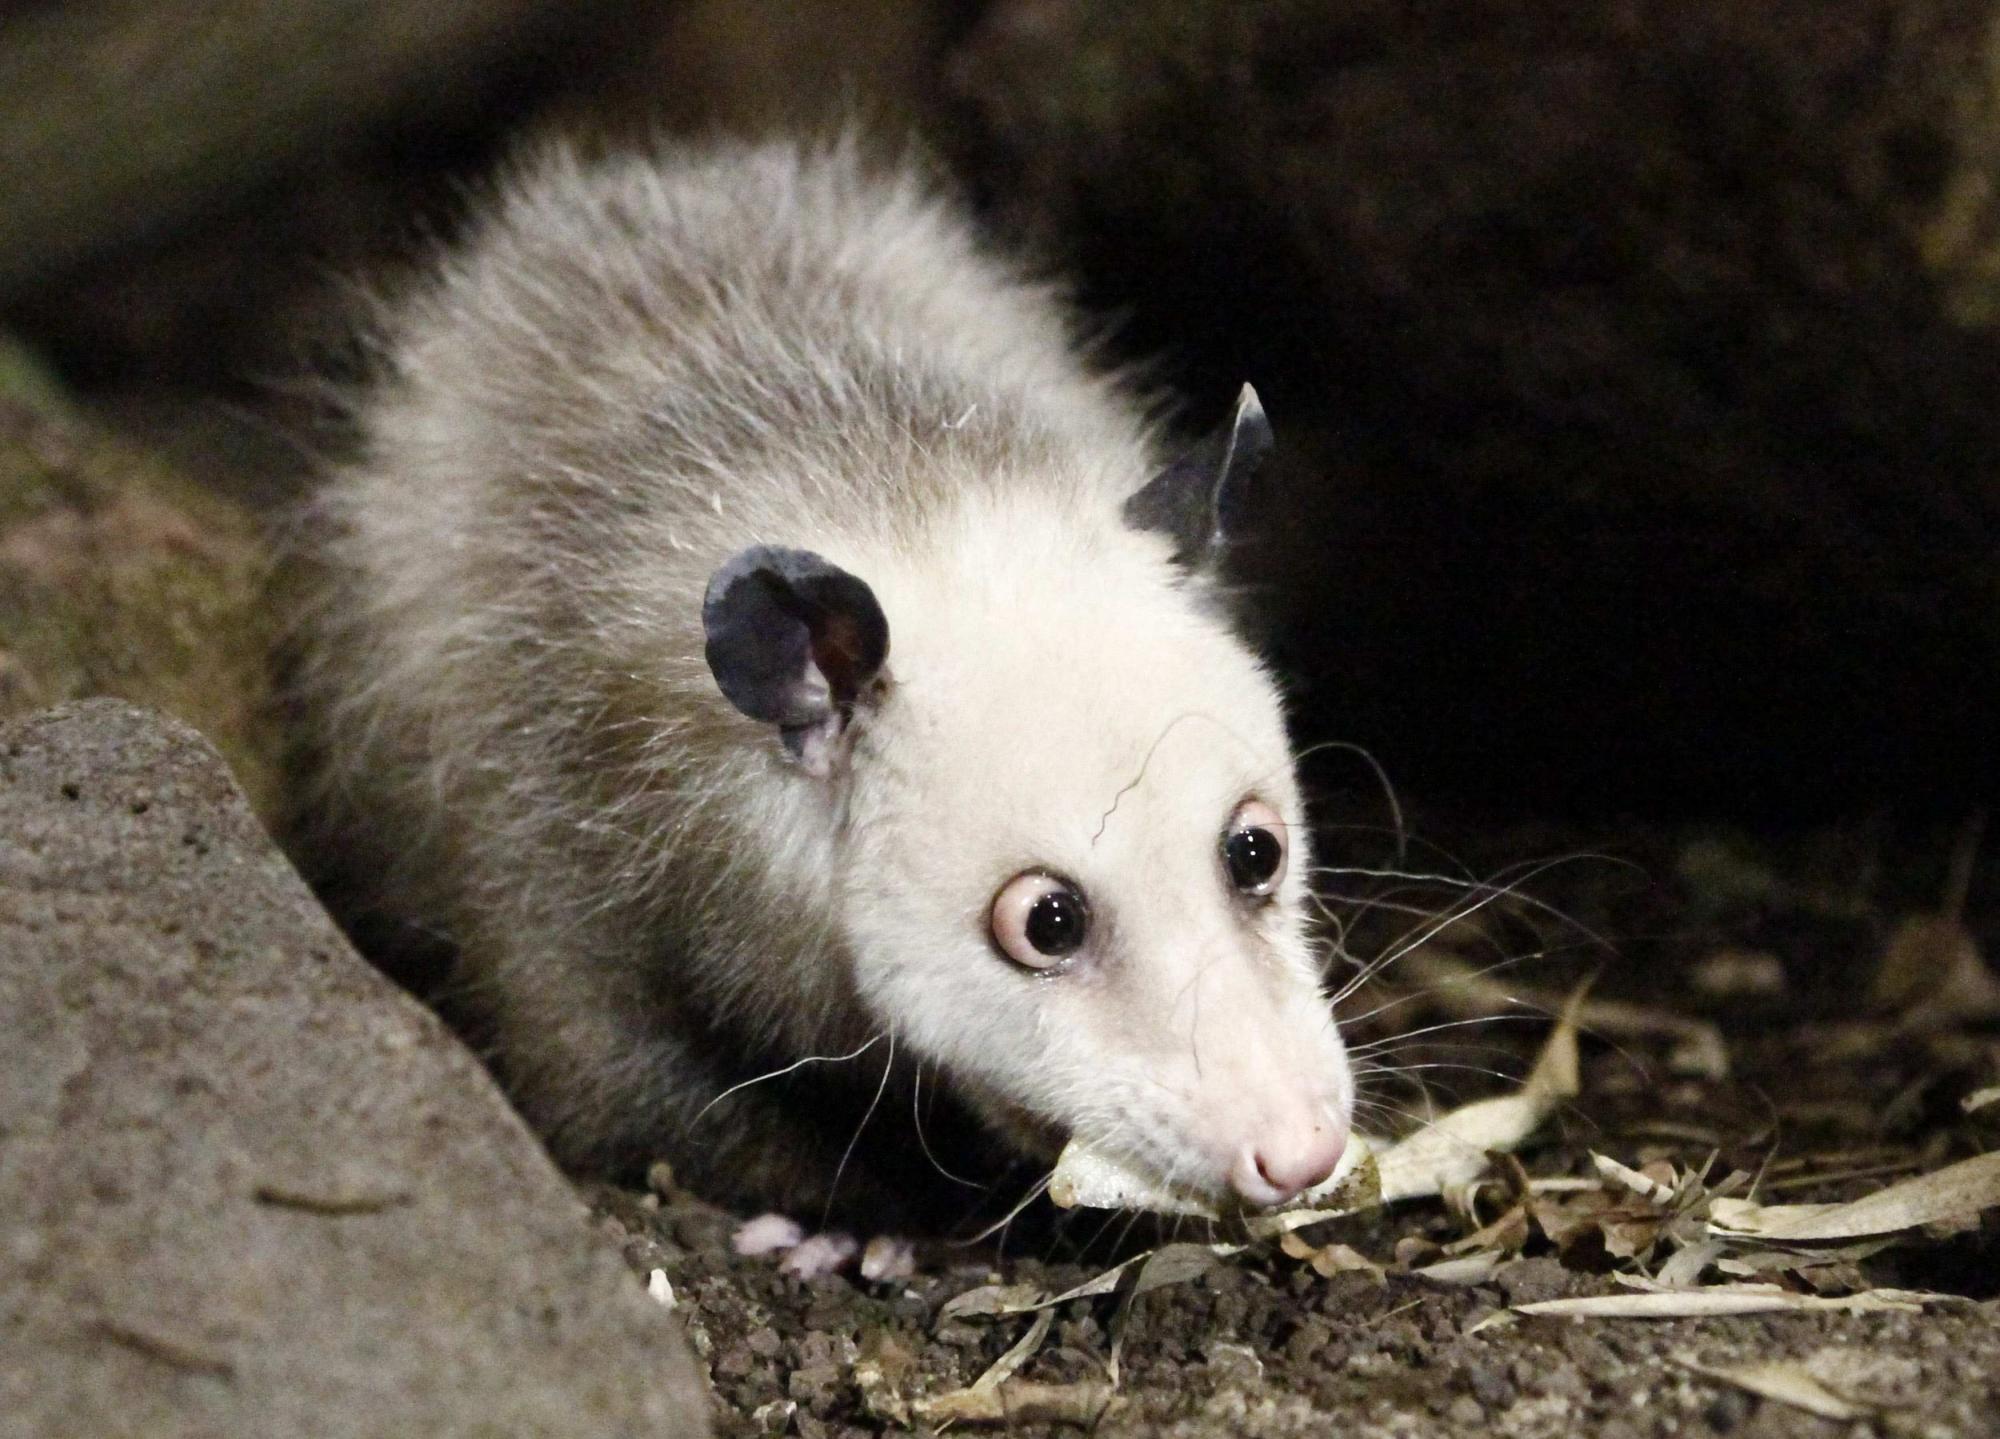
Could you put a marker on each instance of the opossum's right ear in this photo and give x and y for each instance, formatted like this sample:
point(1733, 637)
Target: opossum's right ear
point(795, 641)
point(1192, 501)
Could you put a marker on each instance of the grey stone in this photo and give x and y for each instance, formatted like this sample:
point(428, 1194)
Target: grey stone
point(246, 1186)
point(117, 119)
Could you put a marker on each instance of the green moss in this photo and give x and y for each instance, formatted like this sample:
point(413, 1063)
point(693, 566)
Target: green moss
point(120, 576)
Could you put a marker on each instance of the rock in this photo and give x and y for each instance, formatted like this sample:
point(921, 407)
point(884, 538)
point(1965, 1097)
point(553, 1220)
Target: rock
point(26, 379)
point(118, 120)
point(1635, 362)
point(264, 286)
point(246, 1186)
point(121, 576)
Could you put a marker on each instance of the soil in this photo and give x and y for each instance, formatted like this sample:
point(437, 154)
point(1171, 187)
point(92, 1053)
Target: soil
point(1824, 1098)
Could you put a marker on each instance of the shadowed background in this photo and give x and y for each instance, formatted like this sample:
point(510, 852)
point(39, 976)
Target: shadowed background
point(1633, 364)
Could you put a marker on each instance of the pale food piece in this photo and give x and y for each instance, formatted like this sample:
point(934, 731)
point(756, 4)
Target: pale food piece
point(1088, 1179)
point(1452, 1149)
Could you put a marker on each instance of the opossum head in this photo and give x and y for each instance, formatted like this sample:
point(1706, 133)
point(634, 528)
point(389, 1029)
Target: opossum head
point(1072, 865)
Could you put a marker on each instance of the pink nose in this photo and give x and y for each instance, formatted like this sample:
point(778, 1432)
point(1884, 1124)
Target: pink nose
point(1283, 1166)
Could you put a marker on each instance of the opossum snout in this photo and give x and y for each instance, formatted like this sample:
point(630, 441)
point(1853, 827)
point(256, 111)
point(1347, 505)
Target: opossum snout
point(1286, 1160)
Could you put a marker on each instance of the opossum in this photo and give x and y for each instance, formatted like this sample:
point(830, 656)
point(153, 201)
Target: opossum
point(759, 638)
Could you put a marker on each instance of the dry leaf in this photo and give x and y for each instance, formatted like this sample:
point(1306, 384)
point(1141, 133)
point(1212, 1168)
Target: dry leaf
point(993, 1299)
point(1686, 1267)
point(1169, 1264)
point(1022, 1350)
point(1452, 1149)
point(1632, 1237)
point(1328, 1260)
point(981, 1400)
point(1785, 1261)
point(1018, 1402)
point(1787, 1383)
point(1413, 1250)
point(1646, 1186)
point(1932, 973)
point(1572, 1218)
point(1980, 1098)
point(1839, 1278)
point(1467, 1269)
point(1176, 1264)
point(1955, 1193)
point(1508, 1235)
point(1724, 1299)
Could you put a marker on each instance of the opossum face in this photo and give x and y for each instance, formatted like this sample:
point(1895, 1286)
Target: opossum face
point(1072, 863)
point(1074, 874)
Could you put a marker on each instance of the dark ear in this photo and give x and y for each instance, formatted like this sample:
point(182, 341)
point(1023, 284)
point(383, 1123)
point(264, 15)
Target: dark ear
point(793, 640)
point(1192, 500)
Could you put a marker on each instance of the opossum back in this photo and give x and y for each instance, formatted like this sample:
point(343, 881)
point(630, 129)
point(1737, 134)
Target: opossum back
point(628, 370)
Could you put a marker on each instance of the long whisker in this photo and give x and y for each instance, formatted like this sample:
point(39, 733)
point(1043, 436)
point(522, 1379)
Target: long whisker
point(1397, 823)
point(1443, 985)
point(1396, 1042)
point(1035, 1191)
point(1413, 939)
point(1504, 881)
point(848, 1153)
point(923, 1142)
point(781, 1073)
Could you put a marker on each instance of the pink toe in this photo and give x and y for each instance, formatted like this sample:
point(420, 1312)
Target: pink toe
point(766, 1234)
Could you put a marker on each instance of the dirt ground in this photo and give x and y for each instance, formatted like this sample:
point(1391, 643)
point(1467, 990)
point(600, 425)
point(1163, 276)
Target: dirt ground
point(1848, 1049)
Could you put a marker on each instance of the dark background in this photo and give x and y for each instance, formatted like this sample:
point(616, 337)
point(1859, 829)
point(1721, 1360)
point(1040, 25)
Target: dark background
point(1633, 364)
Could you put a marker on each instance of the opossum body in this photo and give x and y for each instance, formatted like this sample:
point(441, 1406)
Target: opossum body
point(750, 632)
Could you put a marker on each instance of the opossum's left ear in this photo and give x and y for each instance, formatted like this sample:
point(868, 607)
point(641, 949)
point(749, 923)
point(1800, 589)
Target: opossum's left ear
point(1193, 500)
point(795, 641)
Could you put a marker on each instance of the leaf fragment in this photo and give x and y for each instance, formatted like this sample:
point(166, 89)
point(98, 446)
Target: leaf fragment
point(1465, 1269)
point(1956, 1193)
point(1786, 1383)
point(992, 1300)
point(1327, 1260)
point(1452, 1149)
point(1685, 1268)
point(1724, 1299)
point(1169, 1264)
point(1020, 1402)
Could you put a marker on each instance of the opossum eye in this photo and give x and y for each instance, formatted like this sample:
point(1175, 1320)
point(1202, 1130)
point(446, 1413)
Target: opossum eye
point(1039, 920)
point(1253, 848)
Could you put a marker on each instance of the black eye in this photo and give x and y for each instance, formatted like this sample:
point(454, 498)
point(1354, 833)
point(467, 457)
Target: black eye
point(1253, 848)
point(1056, 923)
point(1039, 920)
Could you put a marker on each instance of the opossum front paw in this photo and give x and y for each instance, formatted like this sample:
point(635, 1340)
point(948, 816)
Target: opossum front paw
point(766, 1234)
point(887, 1257)
point(803, 1256)
point(807, 1256)
point(819, 1254)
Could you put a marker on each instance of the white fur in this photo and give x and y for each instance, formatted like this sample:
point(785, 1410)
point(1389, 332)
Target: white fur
point(628, 374)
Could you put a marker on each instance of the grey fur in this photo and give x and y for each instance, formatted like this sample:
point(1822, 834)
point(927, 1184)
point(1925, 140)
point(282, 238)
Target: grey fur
point(630, 372)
